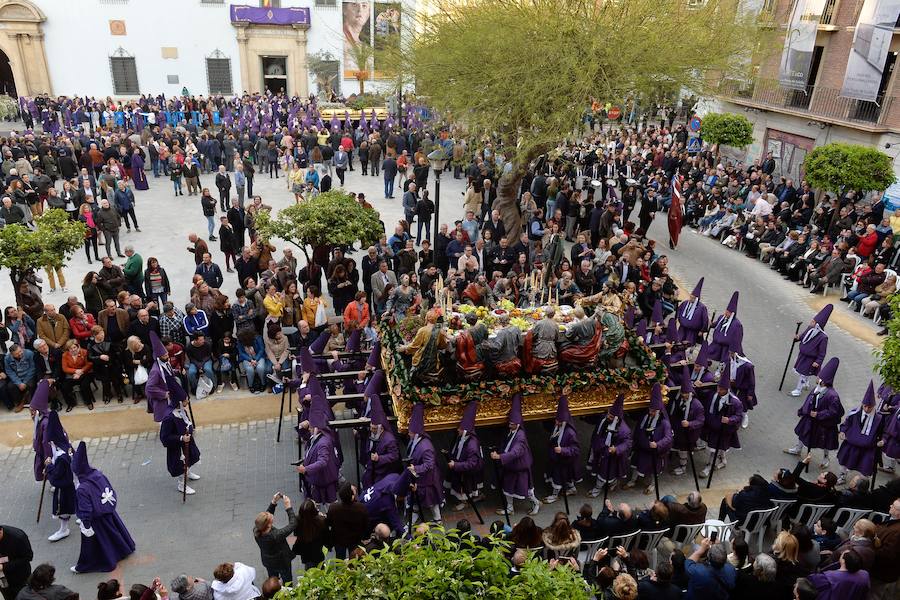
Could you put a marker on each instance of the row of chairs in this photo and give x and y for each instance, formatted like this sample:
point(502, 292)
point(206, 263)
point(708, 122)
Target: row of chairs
point(758, 522)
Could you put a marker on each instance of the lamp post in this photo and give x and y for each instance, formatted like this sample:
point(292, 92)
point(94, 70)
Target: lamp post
point(438, 161)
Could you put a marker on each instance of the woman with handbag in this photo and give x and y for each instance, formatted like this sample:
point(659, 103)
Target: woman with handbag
point(136, 360)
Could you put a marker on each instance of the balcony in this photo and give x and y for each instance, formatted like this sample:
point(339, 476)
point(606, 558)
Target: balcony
point(815, 101)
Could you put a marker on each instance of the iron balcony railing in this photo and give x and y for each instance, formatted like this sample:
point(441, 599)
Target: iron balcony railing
point(816, 101)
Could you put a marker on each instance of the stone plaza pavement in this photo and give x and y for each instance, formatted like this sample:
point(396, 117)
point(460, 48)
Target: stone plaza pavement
point(242, 466)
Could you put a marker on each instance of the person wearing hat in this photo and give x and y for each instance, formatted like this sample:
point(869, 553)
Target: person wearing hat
point(859, 438)
point(162, 386)
point(820, 415)
point(726, 330)
point(657, 327)
point(812, 348)
point(686, 416)
point(423, 465)
point(564, 458)
point(692, 316)
point(702, 374)
point(380, 500)
point(59, 473)
point(743, 381)
point(40, 412)
point(516, 460)
point(652, 441)
point(175, 432)
point(722, 422)
point(611, 442)
point(381, 453)
point(320, 466)
point(104, 538)
point(891, 439)
point(465, 461)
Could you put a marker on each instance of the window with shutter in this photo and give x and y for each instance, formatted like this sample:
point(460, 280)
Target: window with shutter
point(218, 73)
point(124, 75)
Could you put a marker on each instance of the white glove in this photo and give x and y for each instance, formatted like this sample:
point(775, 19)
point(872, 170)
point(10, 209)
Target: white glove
point(87, 532)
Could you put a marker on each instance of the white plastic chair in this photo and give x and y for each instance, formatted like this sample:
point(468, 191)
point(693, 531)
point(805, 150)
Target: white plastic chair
point(685, 534)
point(648, 541)
point(879, 517)
point(810, 513)
point(725, 531)
point(754, 525)
point(845, 518)
point(589, 548)
point(627, 540)
point(778, 515)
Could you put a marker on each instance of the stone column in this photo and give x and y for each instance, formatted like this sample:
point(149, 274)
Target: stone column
point(301, 66)
point(244, 57)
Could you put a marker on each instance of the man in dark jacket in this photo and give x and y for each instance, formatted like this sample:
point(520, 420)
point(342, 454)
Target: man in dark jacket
point(347, 520)
point(16, 554)
point(223, 184)
point(389, 171)
point(275, 554)
point(692, 512)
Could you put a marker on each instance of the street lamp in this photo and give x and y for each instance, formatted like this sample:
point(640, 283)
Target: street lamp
point(438, 160)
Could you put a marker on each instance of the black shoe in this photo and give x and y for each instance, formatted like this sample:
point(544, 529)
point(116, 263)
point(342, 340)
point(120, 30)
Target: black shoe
point(120, 255)
point(213, 238)
point(845, 299)
point(671, 245)
point(90, 262)
point(69, 408)
point(882, 332)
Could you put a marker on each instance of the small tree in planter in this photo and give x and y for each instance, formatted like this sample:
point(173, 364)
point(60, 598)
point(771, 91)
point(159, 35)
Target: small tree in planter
point(839, 167)
point(727, 129)
point(362, 54)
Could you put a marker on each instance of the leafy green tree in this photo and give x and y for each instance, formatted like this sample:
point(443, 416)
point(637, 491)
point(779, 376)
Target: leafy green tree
point(439, 567)
point(47, 245)
point(888, 356)
point(521, 72)
point(331, 219)
point(838, 167)
point(362, 55)
point(727, 129)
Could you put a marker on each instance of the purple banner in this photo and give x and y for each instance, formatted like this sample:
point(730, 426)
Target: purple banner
point(269, 16)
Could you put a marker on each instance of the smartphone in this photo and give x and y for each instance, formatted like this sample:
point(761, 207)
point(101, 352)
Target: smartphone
point(714, 536)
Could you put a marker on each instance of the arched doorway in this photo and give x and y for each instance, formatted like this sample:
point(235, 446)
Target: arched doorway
point(7, 79)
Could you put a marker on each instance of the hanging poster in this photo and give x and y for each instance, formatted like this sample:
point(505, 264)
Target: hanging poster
point(357, 28)
point(799, 43)
point(871, 44)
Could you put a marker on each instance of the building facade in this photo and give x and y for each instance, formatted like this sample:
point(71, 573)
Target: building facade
point(124, 48)
point(789, 121)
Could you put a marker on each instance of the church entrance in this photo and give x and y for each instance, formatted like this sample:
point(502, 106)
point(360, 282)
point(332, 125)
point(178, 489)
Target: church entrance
point(274, 70)
point(7, 80)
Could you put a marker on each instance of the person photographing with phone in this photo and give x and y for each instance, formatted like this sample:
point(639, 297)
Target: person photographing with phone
point(274, 550)
point(710, 576)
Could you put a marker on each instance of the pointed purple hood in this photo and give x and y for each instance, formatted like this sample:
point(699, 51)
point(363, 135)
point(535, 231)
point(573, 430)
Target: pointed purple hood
point(562, 410)
point(159, 349)
point(732, 304)
point(702, 355)
point(657, 316)
point(515, 410)
point(374, 359)
point(376, 411)
point(629, 317)
point(40, 399)
point(828, 370)
point(417, 419)
point(725, 377)
point(656, 399)
point(376, 383)
point(672, 331)
point(56, 433)
point(318, 345)
point(869, 398)
point(307, 362)
point(618, 407)
point(318, 413)
point(641, 329)
point(80, 465)
point(467, 422)
point(352, 344)
point(822, 317)
point(698, 288)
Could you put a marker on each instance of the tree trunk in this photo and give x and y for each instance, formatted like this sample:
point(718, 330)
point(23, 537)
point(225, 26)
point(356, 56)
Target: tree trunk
point(17, 276)
point(507, 202)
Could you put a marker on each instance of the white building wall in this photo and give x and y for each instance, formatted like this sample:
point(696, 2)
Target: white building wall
point(79, 42)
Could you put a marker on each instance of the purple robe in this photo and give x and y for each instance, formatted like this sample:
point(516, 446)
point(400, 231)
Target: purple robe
point(564, 468)
point(321, 462)
point(723, 337)
point(170, 431)
point(644, 455)
point(59, 475)
point(691, 324)
point(685, 438)
point(743, 383)
point(428, 476)
point(719, 435)
point(704, 394)
point(811, 351)
point(516, 461)
point(821, 431)
point(138, 174)
point(857, 451)
point(892, 435)
point(41, 447)
point(467, 474)
point(381, 505)
point(159, 388)
point(388, 452)
point(600, 462)
point(96, 507)
point(841, 585)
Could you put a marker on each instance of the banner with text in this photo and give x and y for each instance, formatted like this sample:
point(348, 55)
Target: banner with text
point(871, 44)
point(799, 43)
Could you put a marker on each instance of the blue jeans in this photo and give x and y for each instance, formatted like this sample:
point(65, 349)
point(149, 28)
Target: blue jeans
point(388, 187)
point(857, 296)
point(155, 164)
point(262, 367)
point(210, 224)
point(177, 184)
point(193, 374)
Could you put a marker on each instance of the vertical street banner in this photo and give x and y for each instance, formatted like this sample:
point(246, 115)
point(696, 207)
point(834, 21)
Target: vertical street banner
point(387, 35)
point(357, 30)
point(869, 52)
point(799, 43)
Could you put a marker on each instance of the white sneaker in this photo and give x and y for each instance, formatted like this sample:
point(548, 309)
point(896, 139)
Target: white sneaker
point(61, 534)
point(795, 451)
point(705, 471)
point(745, 421)
point(678, 471)
point(595, 492)
point(824, 464)
point(535, 508)
point(701, 445)
point(185, 490)
point(551, 499)
point(795, 393)
point(193, 476)
point(220, 388)
point(72, 568)
point(459, 507)
point(502, 512)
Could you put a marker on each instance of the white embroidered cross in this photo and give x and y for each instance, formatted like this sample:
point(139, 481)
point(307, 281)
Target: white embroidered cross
point(107, 497)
